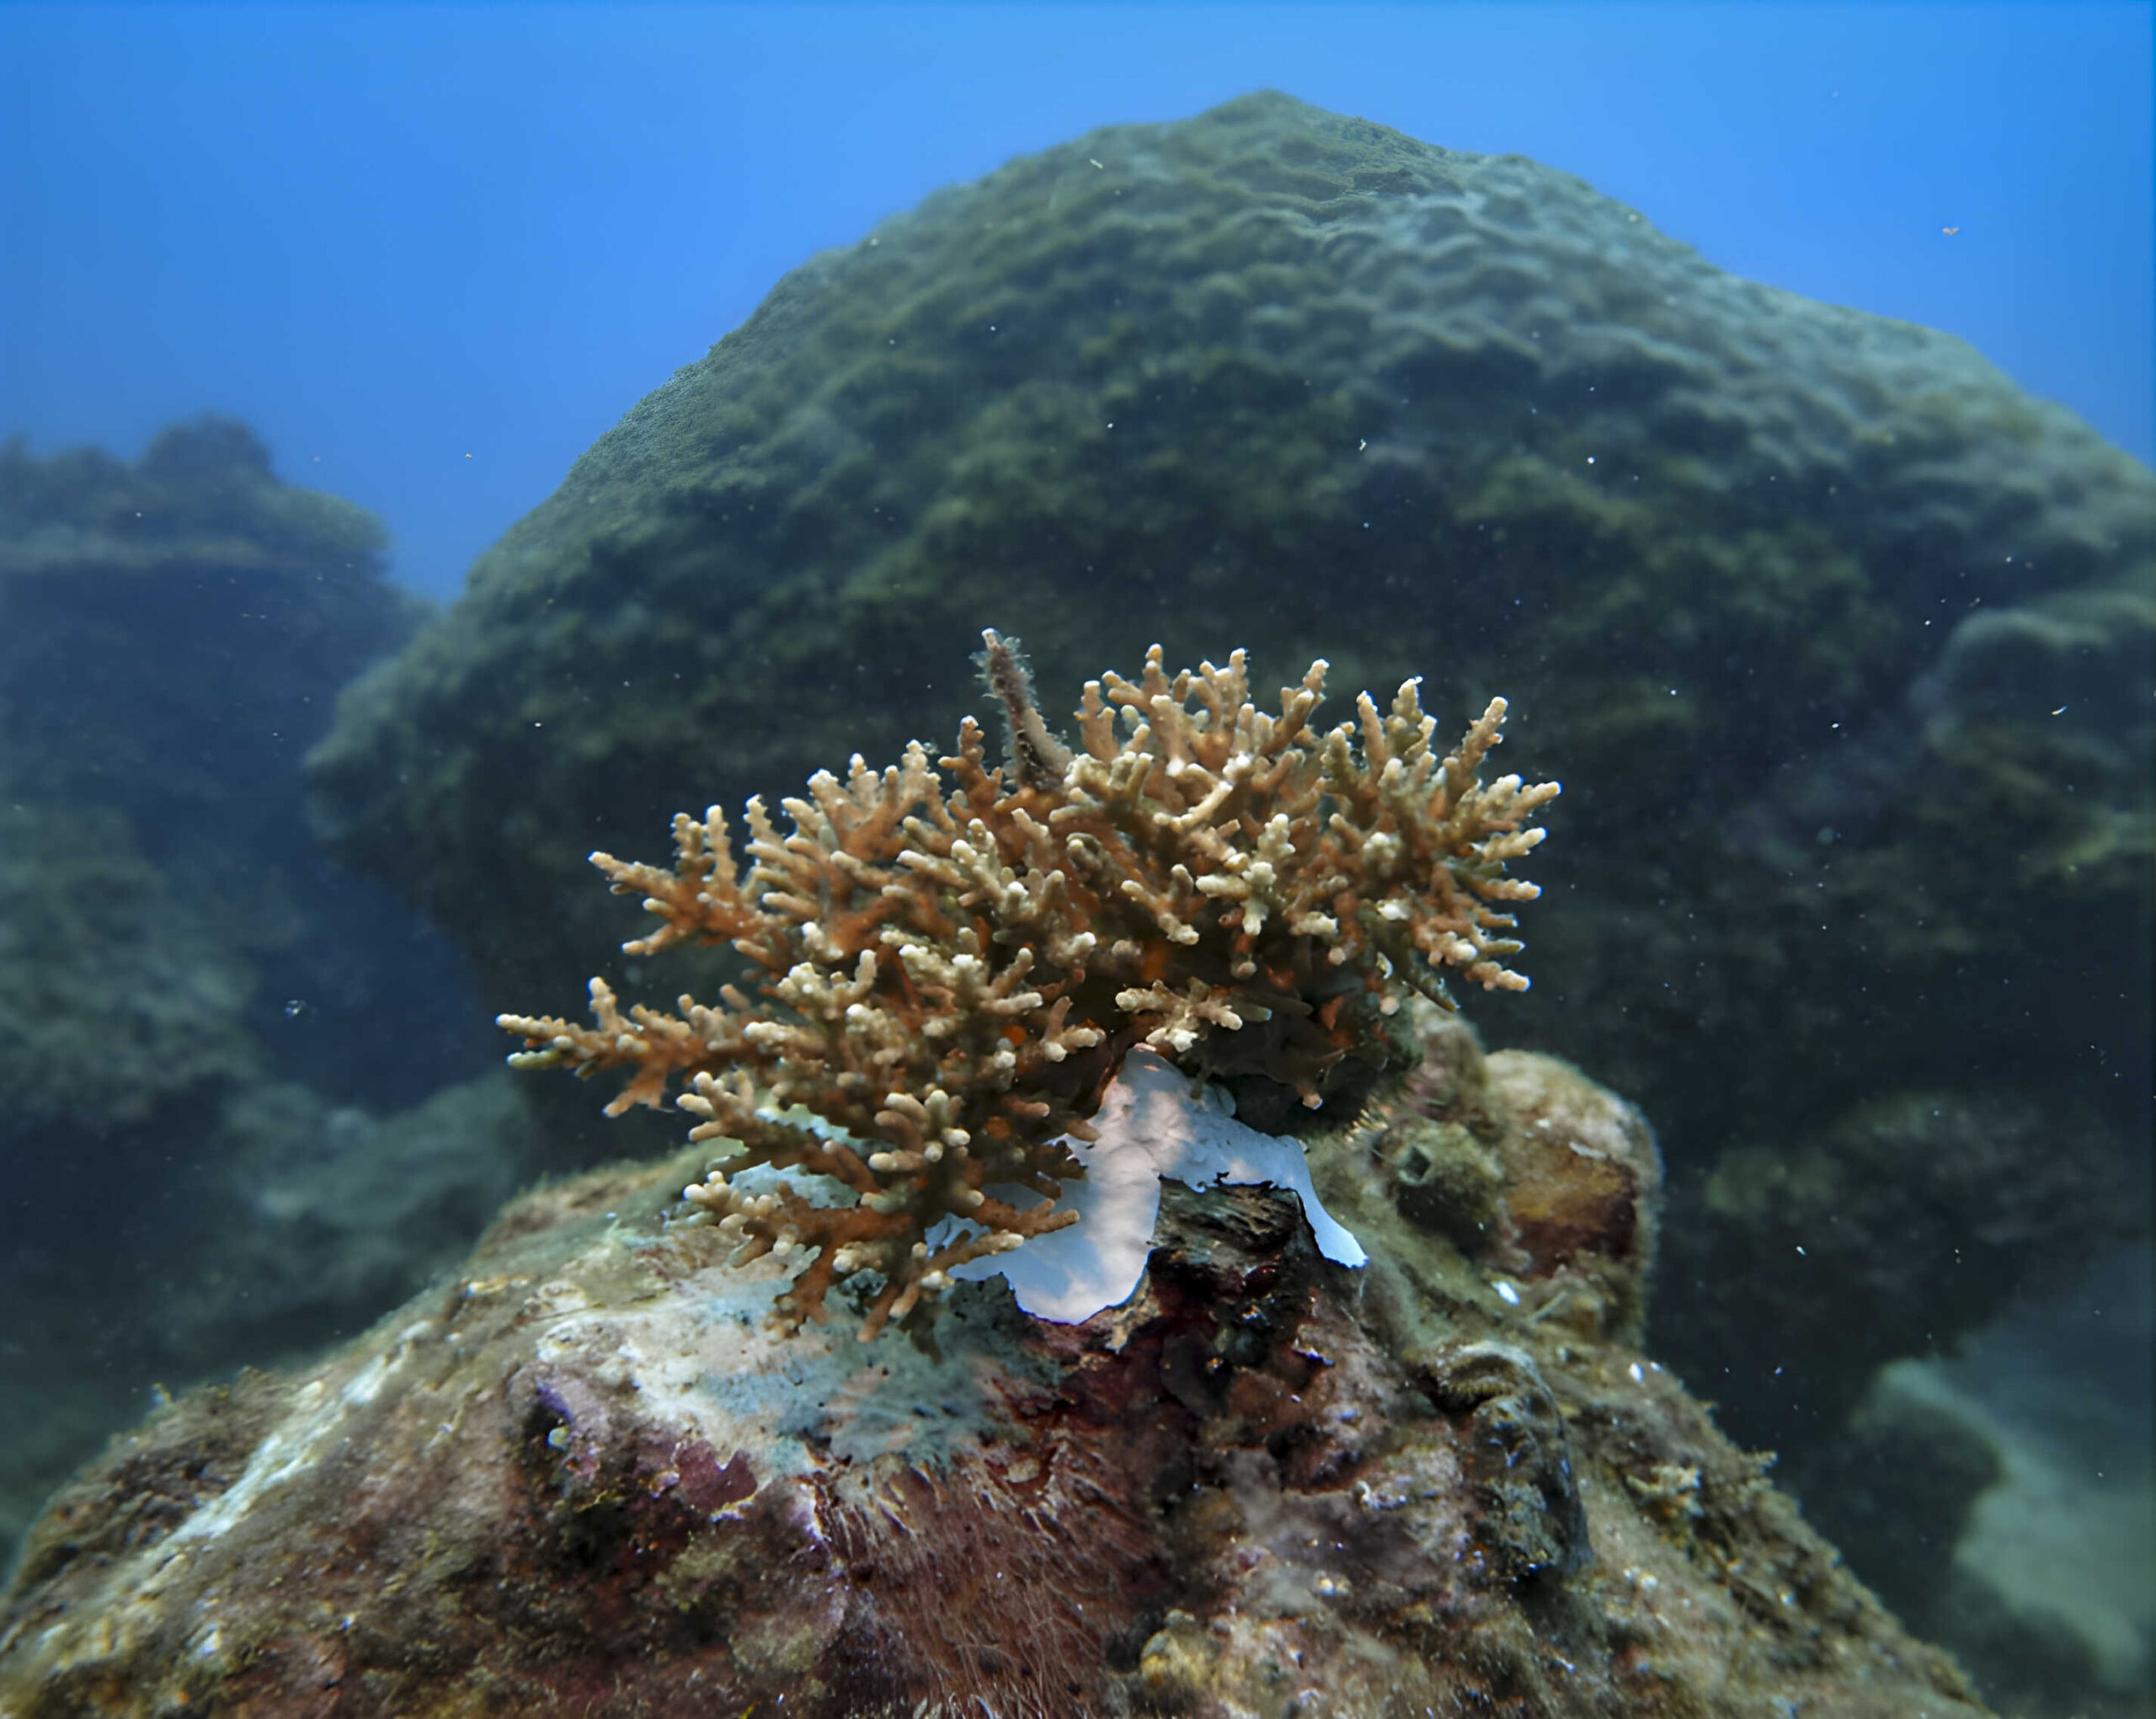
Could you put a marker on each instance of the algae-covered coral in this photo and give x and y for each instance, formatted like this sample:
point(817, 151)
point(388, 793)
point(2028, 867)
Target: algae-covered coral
point(953, 960)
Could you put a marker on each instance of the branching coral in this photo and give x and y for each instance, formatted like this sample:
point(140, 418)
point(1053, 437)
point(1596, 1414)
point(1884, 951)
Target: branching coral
point(951, 960)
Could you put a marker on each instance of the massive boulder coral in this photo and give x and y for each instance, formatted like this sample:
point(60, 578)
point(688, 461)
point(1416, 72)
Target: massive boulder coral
point(1294, 368)
point(952, 968)
point(1843, 639)
point(170, 630)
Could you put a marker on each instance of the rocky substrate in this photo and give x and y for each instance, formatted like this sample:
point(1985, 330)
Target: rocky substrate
point(588, 1477)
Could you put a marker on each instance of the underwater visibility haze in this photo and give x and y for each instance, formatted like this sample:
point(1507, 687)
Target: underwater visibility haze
point(1587, 1151)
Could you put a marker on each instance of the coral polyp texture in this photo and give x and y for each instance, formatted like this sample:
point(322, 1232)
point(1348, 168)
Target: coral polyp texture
point(950, 960)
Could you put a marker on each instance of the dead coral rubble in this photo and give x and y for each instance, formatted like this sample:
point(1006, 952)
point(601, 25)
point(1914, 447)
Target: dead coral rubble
point(952, 960)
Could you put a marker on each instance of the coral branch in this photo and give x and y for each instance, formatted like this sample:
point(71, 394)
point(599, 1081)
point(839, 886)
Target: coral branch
point(954, 959)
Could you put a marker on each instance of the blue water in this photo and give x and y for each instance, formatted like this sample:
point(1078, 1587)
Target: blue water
point(431, 253)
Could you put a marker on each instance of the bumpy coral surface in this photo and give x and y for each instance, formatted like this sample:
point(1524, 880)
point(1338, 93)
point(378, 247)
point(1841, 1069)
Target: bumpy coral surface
point(1843, 641)
point(951, 966)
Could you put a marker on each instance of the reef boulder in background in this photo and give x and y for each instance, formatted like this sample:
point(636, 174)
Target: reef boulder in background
point(1840, 641)
point(172, 634)
point(193, 998)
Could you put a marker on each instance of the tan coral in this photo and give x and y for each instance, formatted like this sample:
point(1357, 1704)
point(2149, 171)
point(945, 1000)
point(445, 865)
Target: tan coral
point(952, 960)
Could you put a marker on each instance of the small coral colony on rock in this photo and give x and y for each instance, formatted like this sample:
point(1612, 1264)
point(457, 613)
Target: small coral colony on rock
point(948, 963)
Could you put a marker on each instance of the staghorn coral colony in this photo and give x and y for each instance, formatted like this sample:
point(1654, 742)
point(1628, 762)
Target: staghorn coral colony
point(950, 961)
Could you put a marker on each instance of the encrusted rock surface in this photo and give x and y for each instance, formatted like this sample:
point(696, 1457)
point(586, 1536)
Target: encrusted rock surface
point(585, 1478)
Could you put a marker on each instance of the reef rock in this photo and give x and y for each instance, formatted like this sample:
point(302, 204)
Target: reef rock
point(590, 1477)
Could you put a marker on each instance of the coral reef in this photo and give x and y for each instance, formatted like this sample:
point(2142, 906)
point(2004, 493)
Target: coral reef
point(1432, 407)
point(1842, 640)
point(174, 947)
point(123, 990)
point(951, 968)
point(2026, 1457)
point(1934, 1206)
point(295, 1223)
point(169, 629)
point(587, 1476)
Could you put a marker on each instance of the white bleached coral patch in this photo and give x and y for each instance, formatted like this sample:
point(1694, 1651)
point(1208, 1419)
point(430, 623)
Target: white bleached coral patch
point(1150, 1125)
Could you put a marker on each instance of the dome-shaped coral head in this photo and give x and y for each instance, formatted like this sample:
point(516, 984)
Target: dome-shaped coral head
point(951, 960)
